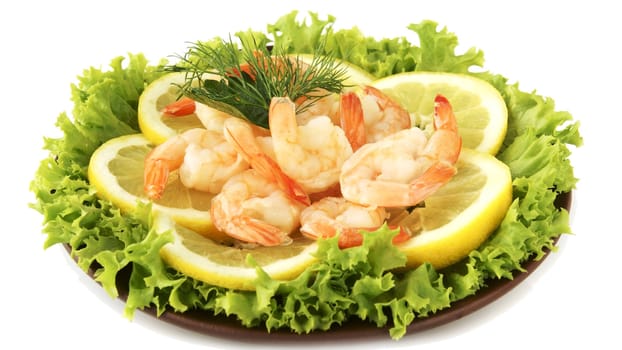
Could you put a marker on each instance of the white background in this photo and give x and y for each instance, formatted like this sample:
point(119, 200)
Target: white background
point(569, 52)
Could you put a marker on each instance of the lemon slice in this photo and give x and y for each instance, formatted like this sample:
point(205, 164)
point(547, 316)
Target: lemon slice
point(459, 217)
point(227, 266)
point(116, 171)
point(479, 108)
point(156, 126)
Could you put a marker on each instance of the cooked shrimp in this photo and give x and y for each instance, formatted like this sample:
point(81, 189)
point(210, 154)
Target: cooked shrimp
point(204, 158)
point(211, 118)
point(311, 154)
point(253, 209)
point(258, 152)
point(405, 168)
point(328, 105)
point(383, 116)
point(335, 215)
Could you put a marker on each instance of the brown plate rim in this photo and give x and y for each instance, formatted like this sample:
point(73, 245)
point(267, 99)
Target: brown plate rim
point(228, 327)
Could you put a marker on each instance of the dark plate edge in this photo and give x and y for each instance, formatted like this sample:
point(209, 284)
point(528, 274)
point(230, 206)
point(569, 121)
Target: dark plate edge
point(228, 327)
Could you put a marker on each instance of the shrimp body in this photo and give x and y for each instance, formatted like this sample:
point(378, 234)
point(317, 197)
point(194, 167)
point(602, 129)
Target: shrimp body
point(211, 118)
point(383, 116)
point(253, 209)
point(335, 215)
point(405, 168)
point(326, 106)
point(329, 215)
point(311, 154)
point(204, 159)
point(258, 151)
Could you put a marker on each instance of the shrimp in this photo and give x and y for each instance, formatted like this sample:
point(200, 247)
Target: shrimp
point(253, 209)
point(383, 116)
point(258, 152)
point(405, 168)
point(204, 158)
point(310, 154)
point(211, 118)
point(328, 105)
point(335, 215)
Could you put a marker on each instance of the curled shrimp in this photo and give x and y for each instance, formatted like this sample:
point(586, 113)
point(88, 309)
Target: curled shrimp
point(311, 154)
point(335, 215)
point(258, 152)
point(405, 168)
point(204, 158)
point(253, 209)
point(383, 116)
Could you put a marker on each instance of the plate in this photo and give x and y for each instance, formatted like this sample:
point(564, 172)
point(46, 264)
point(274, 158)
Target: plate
point(216, 325)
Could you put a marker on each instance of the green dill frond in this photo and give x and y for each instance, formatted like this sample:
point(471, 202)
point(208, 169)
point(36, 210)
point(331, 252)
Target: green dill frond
point(242, 79)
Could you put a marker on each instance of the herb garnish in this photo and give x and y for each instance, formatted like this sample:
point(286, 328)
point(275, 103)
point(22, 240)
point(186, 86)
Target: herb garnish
point(251, 74)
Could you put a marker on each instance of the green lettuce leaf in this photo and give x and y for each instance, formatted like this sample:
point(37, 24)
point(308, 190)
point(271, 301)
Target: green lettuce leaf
point(345, 284)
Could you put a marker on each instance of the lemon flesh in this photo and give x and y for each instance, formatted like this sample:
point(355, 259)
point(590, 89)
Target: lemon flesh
point(227, 266)
point(156, 126)
point(462, 214)
point(116, 171)
point(479, 108)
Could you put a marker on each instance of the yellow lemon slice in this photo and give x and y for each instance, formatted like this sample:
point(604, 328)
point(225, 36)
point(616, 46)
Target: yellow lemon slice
point(116, 171)
point(156, 126)
point(228, 266)
point(461, 215)
point(479, 108)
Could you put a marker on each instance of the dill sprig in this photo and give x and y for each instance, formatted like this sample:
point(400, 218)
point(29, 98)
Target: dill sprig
point(248, 76)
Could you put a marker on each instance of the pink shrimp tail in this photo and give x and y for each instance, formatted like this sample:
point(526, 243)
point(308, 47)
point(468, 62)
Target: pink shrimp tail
point(246, 228)
point(256, 231)
point(352, 121)
point(446, 143)
point(291, 188)
point(182, 107)
point(430, 181)
point(155, 177)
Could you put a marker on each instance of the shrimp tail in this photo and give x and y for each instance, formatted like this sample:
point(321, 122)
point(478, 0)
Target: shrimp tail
point(155, 178)
point(163, 159)
point(292, 189)
point(256, 231)
point(350, 237)
point(352, 121)
point(444, 116)
point(182, 107)
point(245, 228)
point(430, 181)
point(445, 144)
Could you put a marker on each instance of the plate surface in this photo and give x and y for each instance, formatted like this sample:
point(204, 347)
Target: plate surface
point(228, 327)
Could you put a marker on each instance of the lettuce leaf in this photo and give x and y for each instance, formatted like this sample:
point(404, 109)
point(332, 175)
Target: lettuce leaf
point(356, 283)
